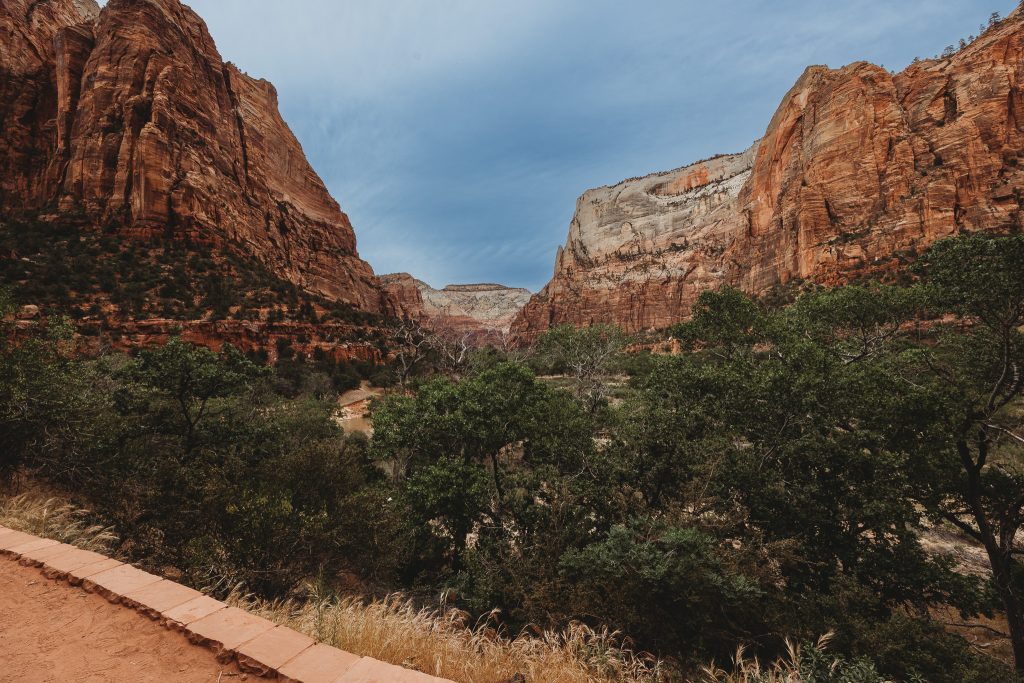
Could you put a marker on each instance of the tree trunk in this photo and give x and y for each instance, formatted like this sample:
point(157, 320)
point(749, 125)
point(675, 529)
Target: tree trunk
point(1002, 566)
point(498, 487)
point(1001, 561)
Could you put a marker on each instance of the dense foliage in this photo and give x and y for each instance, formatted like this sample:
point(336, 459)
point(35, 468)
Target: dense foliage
point(89, 273)
point(773, 481)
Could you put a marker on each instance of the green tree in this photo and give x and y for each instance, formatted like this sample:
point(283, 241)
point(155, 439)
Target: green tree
point(963, 400)
point(674, 587)
point(587, 354)
point(452, 493)
point(724, 322)
point(452, 446)
point(780, 427)
point(51, 406)
point(184, 381)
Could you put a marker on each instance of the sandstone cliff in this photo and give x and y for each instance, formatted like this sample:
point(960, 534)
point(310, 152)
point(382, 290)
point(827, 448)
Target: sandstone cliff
point(128, 118)
point(478, 308)
point(637, 251)
point(858, 168)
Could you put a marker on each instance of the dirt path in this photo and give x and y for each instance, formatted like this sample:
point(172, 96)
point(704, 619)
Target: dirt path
point(364, 393)
point(54, 633)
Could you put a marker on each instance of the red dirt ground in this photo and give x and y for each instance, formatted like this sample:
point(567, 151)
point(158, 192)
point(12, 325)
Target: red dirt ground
point(51, 632)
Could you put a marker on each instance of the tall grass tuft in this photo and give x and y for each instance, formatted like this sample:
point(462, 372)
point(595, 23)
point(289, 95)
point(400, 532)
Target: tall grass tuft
point(53, 518)
point(440, 643)
point(809, 664)
point(751, 670)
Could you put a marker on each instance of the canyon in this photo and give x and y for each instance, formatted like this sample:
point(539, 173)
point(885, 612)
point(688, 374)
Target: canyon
point(480, 309)
point(859, 170)
point(126, 122)
point(126, 119)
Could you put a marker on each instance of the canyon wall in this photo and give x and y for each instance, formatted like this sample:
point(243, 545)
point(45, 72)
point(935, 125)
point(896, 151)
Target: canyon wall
point(859, 169)
point(637, 251)
point(128, 119)
point(474, 309)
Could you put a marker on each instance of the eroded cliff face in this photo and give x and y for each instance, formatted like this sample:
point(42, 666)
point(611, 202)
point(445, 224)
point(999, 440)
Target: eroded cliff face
point(638, 251)
point(34, 37)
point(128, 118)
point(858, 169)
point(474, 309)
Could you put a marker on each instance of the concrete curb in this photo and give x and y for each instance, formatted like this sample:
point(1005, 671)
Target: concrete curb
point(259, 646)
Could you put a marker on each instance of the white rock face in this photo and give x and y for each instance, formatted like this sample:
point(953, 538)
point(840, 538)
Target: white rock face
point(662, 212)
point(639, 252)
point(481, 307)
point(89, 9)
point(492, 305)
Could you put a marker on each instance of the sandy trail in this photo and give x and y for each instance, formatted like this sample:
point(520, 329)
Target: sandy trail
point(51, 632)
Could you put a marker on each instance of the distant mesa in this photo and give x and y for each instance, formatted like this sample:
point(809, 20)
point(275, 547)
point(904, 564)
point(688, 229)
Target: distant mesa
point(473, 308)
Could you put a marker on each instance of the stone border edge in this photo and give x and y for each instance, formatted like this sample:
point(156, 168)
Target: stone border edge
point(259, 646)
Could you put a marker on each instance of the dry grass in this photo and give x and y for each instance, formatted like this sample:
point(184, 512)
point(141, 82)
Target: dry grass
point(797, 666)
point(53, 518)
point(438, 642)
point(748, 670)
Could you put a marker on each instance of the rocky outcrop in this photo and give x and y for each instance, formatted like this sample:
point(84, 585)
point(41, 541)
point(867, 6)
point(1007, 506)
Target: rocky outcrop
point(128, 118)
point(476, 309)
point(638, 250)
point(859, 169)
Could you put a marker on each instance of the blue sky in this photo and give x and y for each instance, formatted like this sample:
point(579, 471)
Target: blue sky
point(457, 134)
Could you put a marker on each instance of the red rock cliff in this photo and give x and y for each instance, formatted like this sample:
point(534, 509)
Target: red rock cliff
point(858, 166)
point(128, 117)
